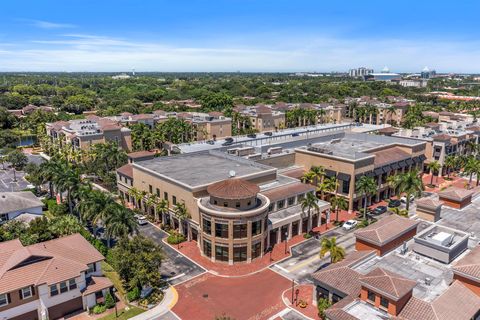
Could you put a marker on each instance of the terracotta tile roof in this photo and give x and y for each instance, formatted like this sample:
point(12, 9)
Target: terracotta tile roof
point(432, 125)
point(288, 190)
point(294, 173)
point(455, 193)
point(442, 137)
point(261, 109)
point(96, 284)
point(336, 311)
point(215, 114)
point(126, 170)
point(142, 116)
point(233, 188)
point(46, 262)
point(142, 154)
point(457, 302)
point(390, 155)
point(469, 265)
point(386, 282)
point(386, 229)
point(429, 202)
point(388, 130)
point(59, 125)
point(18, 201)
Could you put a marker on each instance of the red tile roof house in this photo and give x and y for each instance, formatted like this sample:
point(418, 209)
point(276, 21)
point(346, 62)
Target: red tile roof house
point(386, 234)
point(381, 294)
point(51, 279)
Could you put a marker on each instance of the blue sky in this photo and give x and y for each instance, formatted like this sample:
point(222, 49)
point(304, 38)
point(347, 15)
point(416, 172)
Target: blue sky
point(239, 35)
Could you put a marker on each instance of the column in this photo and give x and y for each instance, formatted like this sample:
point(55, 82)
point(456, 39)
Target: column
point(279, 235)
point(289, 231)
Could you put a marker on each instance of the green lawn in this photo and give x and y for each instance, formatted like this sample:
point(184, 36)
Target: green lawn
point(124, 315)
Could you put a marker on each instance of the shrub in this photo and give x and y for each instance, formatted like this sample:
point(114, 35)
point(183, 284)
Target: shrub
point(109, 301)
point(175, 238)
point(99, 308)
point(307, 235)
point(133, 295)
point(323, 304)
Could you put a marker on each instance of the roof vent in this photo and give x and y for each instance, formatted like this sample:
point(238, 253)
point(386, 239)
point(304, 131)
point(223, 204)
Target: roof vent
point(231, 174)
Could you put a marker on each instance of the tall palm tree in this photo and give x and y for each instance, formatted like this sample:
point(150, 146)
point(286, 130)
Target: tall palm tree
point(393, 181)
point(329, 245)
point(471, 167)
point(162, 209)
point(119, 222)
point(137, 195)
point(434, 167)
point(318, 173)
point(450, 163)
point(411, 183)
point(309, 203)
point(367, 186)
point(150, 203)
point(391, 111)
point(182, 214)
point(95, 206)
point(327, 185)
point(308, 177)
point(338, 203)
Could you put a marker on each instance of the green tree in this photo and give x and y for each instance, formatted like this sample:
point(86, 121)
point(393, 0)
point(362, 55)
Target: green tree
point(329, 245)
point(411, 184)
point(309, 203)
point(367, 186)
point(182, 214)
point(18, 161)
point(322, 305)
point(119, 222)
point(450, 163)
point(338, 203)
point(434, 167)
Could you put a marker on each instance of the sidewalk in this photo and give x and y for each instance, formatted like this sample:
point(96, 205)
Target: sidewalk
point(170, 299)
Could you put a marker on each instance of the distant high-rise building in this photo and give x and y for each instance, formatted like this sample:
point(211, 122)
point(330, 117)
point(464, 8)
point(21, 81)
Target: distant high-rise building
point(359, 72)
point(427, 73)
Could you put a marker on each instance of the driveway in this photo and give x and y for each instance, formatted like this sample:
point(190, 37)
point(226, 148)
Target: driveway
point(176, 267)
point(305, 258)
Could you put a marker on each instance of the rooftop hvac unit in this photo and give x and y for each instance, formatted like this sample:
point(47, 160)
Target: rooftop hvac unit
point(442, 238)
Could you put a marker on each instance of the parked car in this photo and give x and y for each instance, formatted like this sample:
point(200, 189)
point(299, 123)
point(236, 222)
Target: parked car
point(268, 134)
point(252, 135)
point(379, 210)
point(210, 142)
point(296, 134)
point(393, 203)
point(350, 224)
point(141, 220)
point(227, 143)
point(404, 198)
point(229, 139)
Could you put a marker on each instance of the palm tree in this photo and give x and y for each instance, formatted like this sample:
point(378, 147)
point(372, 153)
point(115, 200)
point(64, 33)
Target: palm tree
point(337, 253)
point(338, 203)
point(471, 167)
point(411, 183)
point(94, 207)
point(433, 166)
point(309, 203)
point(182, 214)
point(393, 181)
point(327, 185)
point(450, 163)
point(318, 173)
point(366, 186)
point(308, 177)
point(137, 195)
point(391, 111)
point(119, 222)
point(150, 203)
point(162, 209)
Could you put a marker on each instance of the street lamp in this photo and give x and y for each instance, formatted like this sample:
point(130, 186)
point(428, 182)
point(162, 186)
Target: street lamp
point(115, 301)
point(286, 238)
point(293, 286)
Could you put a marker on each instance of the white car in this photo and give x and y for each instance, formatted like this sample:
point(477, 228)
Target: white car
point(141, 220)
point(404, 198)
point(350, 224)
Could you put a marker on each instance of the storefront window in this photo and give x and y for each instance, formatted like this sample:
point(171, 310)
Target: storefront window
point(221, 230)
point(256, 227)
point(291, 201)
point(239, 254)
point(221, 253)
point(256, 249)
point(207, 226)
point(207, 248)
point(239, 231)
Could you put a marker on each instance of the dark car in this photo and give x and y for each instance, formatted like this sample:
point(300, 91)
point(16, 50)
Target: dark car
point(379, 210)
point(211, 142)
point(229, 139)
point(227, 143)
point(252, 135)
point(393, 203)
point(295, 134)
point(268, 134)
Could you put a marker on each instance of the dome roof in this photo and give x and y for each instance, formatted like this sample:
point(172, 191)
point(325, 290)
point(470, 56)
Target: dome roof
point(233, 189)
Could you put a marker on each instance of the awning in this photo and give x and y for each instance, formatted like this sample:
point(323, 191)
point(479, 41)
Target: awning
point(395, 166)
point(409, 162)
point(402, 164)
point(417, 159)
point(343, 176)
point(378, 171)
point(387, 168)
point(422, 157)
point(330, 173)
point(370, 174)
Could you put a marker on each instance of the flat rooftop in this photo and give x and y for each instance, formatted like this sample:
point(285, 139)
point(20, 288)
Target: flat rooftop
point(199, 169)
point(362, 310)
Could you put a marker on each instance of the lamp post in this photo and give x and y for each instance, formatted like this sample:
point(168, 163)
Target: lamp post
point(293, 287)
point(286, 238)
point(115, 301)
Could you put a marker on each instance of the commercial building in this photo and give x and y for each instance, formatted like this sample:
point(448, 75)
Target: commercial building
point(51, 279)
point(359, 72)
point(82, 133)
point(23, 206)
point(385, 75)
point(238, 207)
point(262, 118)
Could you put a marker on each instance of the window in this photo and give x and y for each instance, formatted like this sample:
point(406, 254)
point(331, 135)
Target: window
point(384, 302)
point(63, 287)
point(225, 204)
point(158, 192)
point(281, 204)
point(207, 226)
point(371, 296)
point(26, 292)
point(221, 253)
point(270, 207)
point(3, 217)
point(91, 268)
point(237, 204)
point(165, 196)
point(215, 202)
point(239, 254)
point(239, 231)
point(3, 299)
point(174, 200)
point(72, 284)
point(53, 290)
point(291, 201)
point(345, 187)
point(207, 248)
point(256, 249)
point(300, 197)
point(150, 188)
point(221, 230)
point(256, 227)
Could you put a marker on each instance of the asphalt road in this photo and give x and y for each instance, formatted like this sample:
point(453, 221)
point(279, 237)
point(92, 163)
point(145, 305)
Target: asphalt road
point(305, 258)
point(176, 267)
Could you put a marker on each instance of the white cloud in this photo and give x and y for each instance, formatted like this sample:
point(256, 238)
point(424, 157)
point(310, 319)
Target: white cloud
point(50, 25)
point(83, 52)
